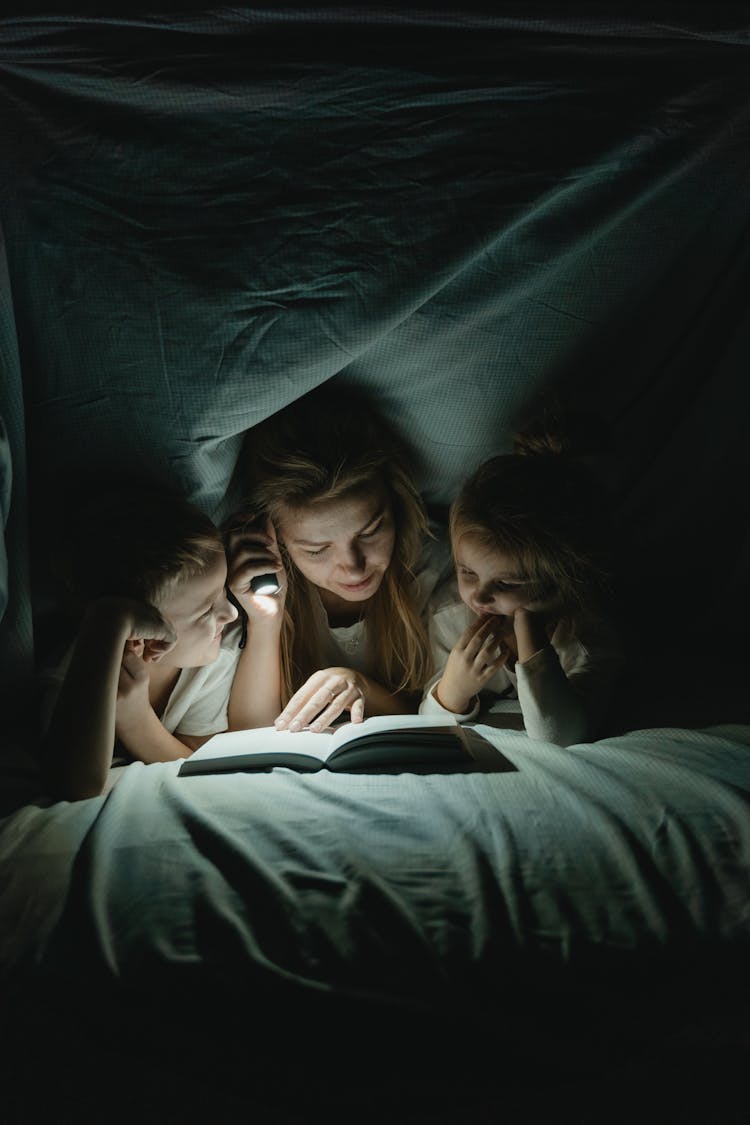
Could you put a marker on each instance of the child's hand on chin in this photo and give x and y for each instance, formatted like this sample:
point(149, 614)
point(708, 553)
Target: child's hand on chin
point(532, 632)
point(476, 656)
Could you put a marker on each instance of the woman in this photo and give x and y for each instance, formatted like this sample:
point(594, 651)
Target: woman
point(333, 511)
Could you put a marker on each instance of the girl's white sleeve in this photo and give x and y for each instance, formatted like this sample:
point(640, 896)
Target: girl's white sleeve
point(565, 689)
point(552, 710)
point(432, 706)
point(445, 627)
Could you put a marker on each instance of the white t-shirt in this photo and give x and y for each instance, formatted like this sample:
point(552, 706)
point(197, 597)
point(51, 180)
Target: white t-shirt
point(199, 700)
point(561, 692)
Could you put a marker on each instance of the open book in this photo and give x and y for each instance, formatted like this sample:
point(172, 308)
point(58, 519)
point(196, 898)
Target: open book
point(384, 743)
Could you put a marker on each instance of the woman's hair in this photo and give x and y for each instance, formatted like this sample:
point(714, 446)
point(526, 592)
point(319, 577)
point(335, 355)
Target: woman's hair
point(543, 507)
point(330, 445)
point(133, 542)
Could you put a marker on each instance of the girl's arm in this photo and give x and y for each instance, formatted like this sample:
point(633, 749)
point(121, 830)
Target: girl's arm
point(328, 693)
point(255, 698)
point(77, 749)
point(564, 694)
point(552, 709)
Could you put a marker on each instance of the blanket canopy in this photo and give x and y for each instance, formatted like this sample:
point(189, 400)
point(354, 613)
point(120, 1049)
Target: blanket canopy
point(467, 213)
point(461, 210)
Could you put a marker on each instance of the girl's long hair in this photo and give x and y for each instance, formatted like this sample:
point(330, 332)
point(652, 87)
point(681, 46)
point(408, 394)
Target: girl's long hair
point(542, 506)
point(330, 446)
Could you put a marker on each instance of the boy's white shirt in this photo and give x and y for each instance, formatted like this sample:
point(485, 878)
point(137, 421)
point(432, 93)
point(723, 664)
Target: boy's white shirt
point(562, 690)
point(199, 700)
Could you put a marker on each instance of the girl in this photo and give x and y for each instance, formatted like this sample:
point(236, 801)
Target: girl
point(525, 617)
point(333, 511)
point(148, 669)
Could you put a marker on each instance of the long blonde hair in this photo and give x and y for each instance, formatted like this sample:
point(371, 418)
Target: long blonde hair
point(328, 446)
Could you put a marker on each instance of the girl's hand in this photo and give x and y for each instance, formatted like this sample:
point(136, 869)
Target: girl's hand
point(532, 631)
point(322, 698)
point(252, 552)
point(477, 655)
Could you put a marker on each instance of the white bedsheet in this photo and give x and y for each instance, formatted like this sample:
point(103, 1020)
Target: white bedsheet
point(412, 886)
point(543, 936)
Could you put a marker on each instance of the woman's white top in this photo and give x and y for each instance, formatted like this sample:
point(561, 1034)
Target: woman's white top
point(347, 645)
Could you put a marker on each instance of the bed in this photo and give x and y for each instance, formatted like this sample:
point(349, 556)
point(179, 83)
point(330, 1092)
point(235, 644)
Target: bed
point(206, 213)
point(294, 947)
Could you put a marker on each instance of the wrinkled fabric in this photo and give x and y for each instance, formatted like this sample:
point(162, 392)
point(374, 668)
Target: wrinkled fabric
point(207, 214)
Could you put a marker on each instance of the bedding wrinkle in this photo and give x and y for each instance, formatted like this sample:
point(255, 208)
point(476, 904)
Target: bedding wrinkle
point(408, 891)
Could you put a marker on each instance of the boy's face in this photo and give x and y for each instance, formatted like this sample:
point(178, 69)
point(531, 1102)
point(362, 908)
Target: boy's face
point(198, 609)
point(490, 582)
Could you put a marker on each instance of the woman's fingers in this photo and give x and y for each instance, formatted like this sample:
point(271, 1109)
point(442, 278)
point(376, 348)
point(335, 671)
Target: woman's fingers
point(350, 698)
point(321, 701)
point(321, 706)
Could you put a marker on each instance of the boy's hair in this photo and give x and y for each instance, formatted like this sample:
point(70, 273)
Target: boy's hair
point(136, 543)
point(331, 445)
point(543, 507)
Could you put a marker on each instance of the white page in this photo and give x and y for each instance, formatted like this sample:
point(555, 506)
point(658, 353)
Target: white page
point(317, 745)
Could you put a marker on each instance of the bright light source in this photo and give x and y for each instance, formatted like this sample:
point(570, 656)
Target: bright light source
point(264, 584)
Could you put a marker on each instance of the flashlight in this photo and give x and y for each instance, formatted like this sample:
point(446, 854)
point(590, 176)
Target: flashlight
point(265, 584)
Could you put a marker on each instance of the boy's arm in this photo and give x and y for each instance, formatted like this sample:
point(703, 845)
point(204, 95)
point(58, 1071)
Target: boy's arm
point(77, 748)
point(137, 726)
point(145, 738)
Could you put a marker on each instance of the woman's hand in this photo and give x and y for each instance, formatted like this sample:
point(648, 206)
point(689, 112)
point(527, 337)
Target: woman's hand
point(477, 655)
point(322, 698)
point(255, 551)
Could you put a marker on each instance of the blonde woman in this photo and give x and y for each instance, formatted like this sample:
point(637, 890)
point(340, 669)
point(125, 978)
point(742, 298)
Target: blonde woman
point(333, 511)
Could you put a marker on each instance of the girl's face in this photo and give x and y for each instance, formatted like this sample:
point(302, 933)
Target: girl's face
point(343, 546)
point(490, 581)
point(198, 609)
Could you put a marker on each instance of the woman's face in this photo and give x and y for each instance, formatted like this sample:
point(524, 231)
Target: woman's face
point(490, 582)
point(343, 546)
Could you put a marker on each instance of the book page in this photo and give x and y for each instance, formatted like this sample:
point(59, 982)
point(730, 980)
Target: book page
point(264, 740)
point(348, 732)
